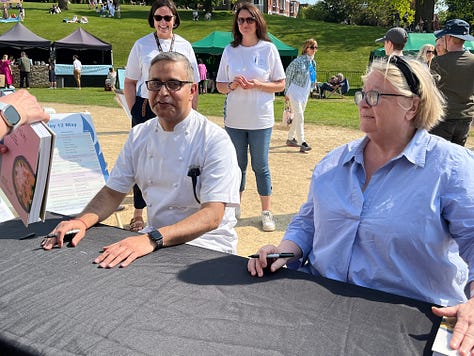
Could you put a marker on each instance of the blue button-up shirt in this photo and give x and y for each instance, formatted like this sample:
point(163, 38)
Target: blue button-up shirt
point(397, 235)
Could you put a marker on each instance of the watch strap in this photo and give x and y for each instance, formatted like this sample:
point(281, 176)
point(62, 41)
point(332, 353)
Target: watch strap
point(157, 238)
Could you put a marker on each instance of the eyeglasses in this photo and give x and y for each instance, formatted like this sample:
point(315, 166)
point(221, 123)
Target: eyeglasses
point(167, 18)
point(372, 97)
point(313, 47)
point(171, 85)
point(249, 20)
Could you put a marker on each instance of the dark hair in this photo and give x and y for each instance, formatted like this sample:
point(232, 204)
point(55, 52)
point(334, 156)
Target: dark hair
point(259, 23)
point(175, 57)
point(160, 3)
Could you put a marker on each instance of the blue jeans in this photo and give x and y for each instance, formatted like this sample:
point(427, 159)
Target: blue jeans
point(259, 143)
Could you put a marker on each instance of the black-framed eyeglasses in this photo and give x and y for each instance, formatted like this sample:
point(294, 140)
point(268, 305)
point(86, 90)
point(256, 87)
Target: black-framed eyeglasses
point(313, 47)
point(249, 20)
point(167, 18)
point(372, 97)
point(171, 85)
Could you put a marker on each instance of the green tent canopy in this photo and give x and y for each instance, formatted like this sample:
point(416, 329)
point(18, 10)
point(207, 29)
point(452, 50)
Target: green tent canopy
point(415, 42)
point(216, 41)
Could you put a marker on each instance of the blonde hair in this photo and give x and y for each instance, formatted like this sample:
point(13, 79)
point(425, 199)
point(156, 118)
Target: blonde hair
point(423, 53)
point(432, 103)
point(308, 43)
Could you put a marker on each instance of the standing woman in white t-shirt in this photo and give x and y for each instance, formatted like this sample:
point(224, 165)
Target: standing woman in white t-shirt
point(164, 18)
point(250, 73)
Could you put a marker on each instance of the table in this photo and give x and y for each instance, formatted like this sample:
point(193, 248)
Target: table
point(188, 301)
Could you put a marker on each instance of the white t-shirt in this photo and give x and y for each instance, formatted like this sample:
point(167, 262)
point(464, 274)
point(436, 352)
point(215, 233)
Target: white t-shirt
point(250, 109)
point(77, 64)
point(158, 162)
point(145, 49)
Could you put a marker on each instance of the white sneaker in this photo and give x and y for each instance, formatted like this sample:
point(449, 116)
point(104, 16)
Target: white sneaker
point(268, 224)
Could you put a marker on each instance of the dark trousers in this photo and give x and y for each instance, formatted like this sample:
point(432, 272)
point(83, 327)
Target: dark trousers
point(455, 131)
point(24, 77)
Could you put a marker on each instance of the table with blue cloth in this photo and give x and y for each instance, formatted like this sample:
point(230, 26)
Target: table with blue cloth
point(187, 300)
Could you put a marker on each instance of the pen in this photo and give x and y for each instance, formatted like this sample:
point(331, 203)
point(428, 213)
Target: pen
point(70, 232)
point(275, 255)
point(28, 236)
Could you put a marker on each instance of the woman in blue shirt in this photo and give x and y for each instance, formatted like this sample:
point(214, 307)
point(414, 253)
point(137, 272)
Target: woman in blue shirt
point(392, 211)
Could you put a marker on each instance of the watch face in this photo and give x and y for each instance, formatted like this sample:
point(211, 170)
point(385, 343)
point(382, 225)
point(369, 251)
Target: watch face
point(11, 115)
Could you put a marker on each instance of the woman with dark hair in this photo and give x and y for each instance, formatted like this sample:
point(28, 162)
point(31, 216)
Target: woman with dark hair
point(250, 73)
point(163, 18)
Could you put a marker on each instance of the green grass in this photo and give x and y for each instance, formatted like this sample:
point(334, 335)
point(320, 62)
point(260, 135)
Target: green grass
point(342, 48)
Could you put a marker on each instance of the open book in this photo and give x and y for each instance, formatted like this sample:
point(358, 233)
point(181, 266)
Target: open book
point(25, 170)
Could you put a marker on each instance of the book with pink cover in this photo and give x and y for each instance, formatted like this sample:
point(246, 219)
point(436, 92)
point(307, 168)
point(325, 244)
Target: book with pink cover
point(25, 170)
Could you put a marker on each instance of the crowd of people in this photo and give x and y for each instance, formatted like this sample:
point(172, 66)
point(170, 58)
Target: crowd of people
point(381, 210)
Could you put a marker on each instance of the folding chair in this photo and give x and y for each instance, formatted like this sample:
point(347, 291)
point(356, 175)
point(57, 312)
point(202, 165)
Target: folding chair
point(342, 88)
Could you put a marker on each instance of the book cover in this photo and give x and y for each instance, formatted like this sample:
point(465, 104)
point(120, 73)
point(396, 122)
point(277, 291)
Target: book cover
point(443, 337)
point(25, 169)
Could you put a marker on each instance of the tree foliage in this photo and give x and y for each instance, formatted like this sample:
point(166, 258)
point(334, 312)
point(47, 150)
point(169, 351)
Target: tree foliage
point(460, 9)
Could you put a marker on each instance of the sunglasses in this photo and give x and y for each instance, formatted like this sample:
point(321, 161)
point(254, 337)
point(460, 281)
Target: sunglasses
point(430, 51)
point(171, 85)
point(249, 20)
point(313, 47)
point(167, 18)
point(371, 97)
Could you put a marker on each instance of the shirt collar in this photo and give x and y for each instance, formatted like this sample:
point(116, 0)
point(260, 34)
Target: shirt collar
point(414, 152)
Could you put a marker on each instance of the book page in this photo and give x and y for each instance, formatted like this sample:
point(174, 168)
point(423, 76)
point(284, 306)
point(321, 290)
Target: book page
point(76, 174)
point(5, 212)
point(443, 337)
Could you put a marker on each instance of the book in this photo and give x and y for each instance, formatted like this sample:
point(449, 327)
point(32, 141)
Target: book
point(79, 170)
point(25, 170)
point(76, 174)
point(443, 337)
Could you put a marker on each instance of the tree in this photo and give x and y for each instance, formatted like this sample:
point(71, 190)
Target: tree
point(424, 9)
point(460, 9)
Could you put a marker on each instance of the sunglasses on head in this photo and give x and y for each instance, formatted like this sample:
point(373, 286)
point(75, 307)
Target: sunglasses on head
point(167, 18)
point(249, 20)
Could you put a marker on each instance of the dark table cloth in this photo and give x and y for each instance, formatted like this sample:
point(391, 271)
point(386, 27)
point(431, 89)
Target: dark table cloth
point(188, 301)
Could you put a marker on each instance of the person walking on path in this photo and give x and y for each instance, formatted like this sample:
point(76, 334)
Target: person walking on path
point(300, 76)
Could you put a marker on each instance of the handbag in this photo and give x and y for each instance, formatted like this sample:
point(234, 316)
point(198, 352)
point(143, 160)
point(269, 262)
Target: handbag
point(141, 111)
point(287, 118)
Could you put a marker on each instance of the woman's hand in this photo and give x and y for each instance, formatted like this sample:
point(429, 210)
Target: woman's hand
point(256, 265)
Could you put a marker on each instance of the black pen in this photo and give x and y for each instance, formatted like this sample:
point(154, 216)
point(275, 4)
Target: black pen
point(28, 236)
point(275, 255)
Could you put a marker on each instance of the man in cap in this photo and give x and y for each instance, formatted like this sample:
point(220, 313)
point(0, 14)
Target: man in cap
point(394, 41)
point(455, 73)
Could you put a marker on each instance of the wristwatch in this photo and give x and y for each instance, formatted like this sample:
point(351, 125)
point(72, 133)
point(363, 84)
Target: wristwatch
point(157, 238)
point(9, 115)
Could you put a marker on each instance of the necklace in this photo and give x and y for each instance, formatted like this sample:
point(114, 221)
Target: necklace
point(159, 44)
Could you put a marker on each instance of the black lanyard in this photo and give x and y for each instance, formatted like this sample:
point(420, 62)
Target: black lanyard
point(159, 44)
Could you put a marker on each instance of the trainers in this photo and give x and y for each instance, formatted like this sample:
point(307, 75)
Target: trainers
point(292, 143)
point(268, 224)
point(305, 147)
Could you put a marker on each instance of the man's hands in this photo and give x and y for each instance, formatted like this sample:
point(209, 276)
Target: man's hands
point(125, 251)
point(27, 106)
point(256, 265)
point(56, 237)
point(463, 334)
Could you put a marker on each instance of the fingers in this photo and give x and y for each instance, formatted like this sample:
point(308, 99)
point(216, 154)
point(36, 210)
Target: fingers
point(116, 254)
point(56, 237)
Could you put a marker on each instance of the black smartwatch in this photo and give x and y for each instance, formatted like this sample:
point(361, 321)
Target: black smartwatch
point(157, 238)
point(9, 115)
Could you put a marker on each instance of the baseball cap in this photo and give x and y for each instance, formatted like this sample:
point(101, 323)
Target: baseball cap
point(456, 28)
point(396, 35)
